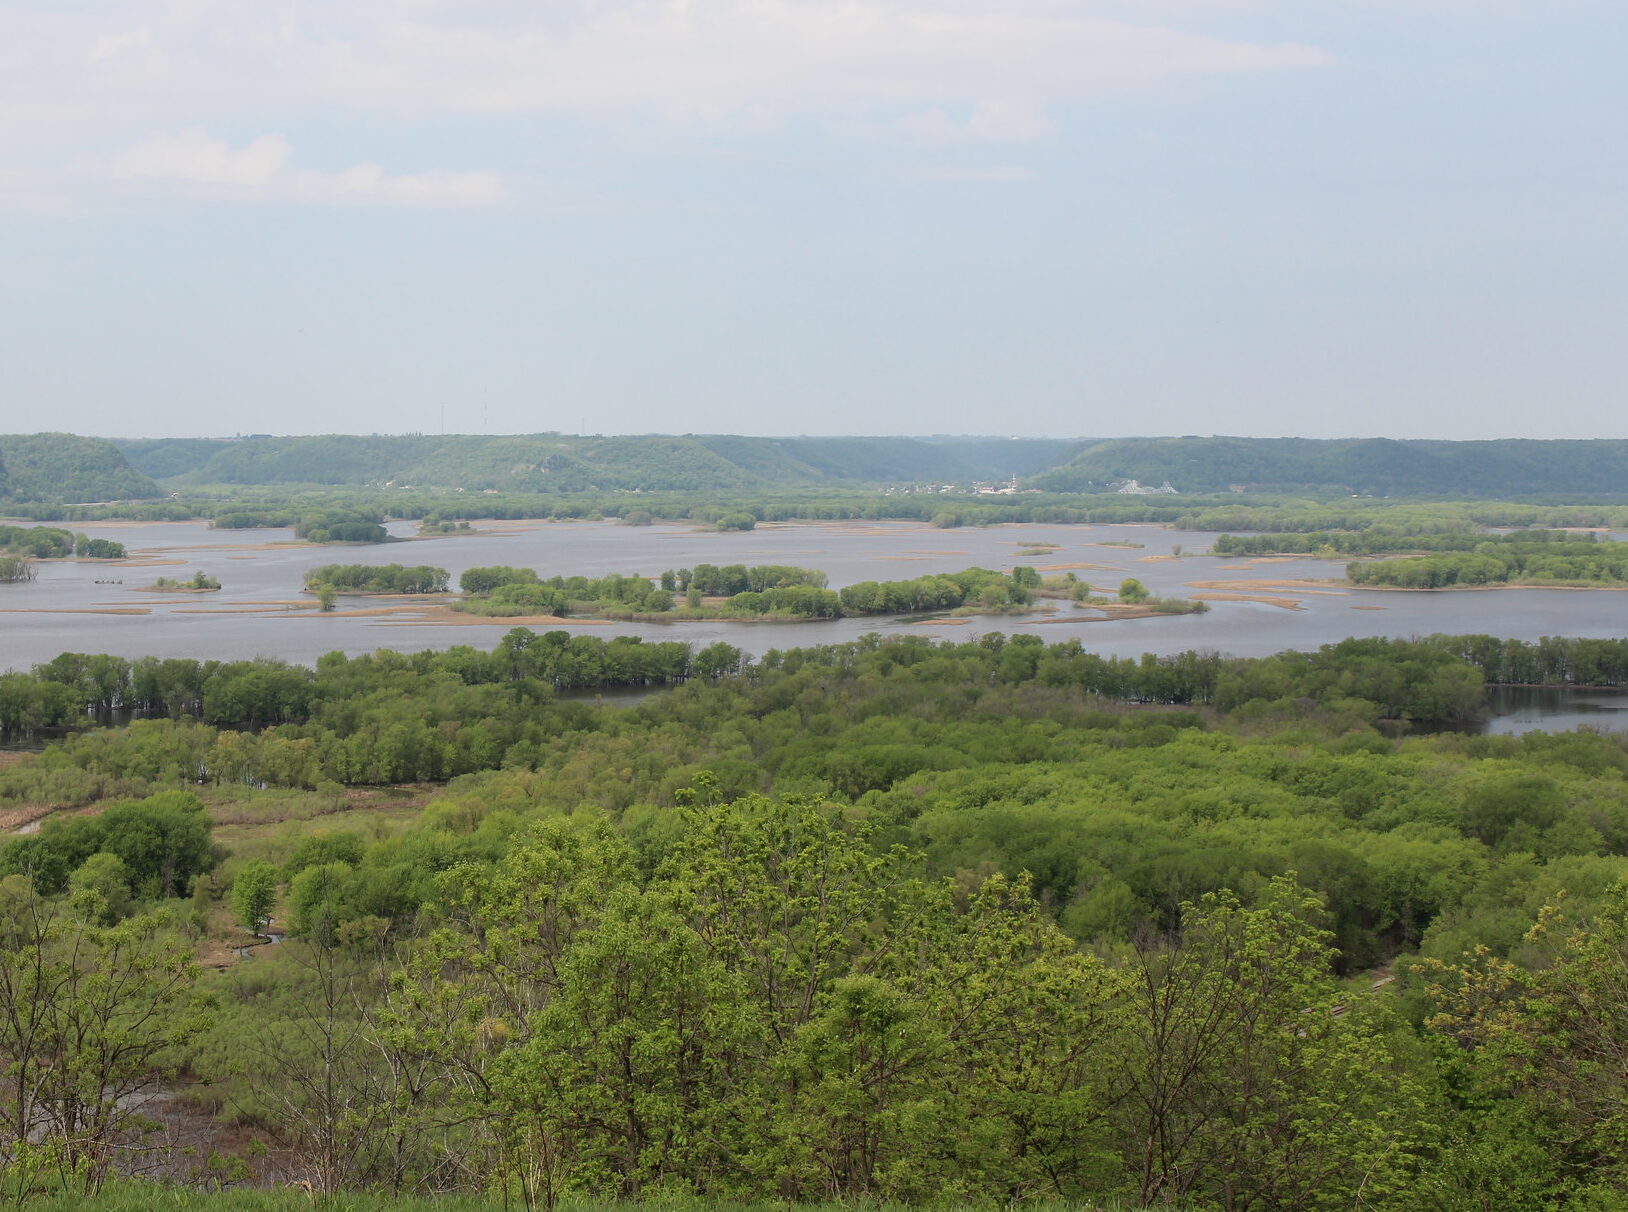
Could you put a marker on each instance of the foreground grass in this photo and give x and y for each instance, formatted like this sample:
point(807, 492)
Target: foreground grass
point(132, 1196)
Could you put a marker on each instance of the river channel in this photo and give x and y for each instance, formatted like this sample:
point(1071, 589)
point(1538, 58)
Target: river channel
point(98, 606)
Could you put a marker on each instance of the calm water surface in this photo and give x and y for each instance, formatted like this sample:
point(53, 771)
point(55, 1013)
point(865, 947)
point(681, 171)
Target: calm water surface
point(1521, 709)
point(261, 570)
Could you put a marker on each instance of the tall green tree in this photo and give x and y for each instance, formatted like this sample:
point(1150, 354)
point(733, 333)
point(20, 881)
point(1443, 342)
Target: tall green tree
point(1541, 1059)
point(90, 1016)
point(254, 892)
point(1245, 1089)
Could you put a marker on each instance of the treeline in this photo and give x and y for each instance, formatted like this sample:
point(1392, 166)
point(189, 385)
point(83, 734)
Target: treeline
point(501, 591)
point(800, 593)
point(1225, 512)
point(1550, 661)
point(1399, 517)
point(730, 579)
point(1434, 679)
point(1377, 540)
point(49, 542)
point(762, 590)
point(941, 591)
point(1384, 540)
point(388, 718)
point(135, 511)
point(749, 593)
point(525, 668)
point(376, 578)
point(337, 524)
point(1509, 561)
point(1467, 557)
point(943, 509)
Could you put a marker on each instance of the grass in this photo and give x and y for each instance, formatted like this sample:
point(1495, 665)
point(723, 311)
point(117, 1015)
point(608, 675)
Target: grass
point(133, 1196)
point(136, 1196)
point(269, 823)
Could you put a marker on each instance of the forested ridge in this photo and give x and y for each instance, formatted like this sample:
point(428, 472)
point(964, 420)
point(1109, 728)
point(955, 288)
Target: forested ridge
point(1508, 467)
point(927, 922)
point(47, 468)
point(556, 463)
point(553, 463)
point(54, 467)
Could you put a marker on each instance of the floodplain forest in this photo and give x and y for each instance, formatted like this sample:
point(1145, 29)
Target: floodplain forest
point(894, 921)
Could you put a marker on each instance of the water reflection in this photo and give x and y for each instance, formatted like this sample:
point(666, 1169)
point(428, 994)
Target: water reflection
point(1516, 710)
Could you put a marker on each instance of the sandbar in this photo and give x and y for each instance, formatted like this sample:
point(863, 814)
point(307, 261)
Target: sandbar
point(60, 610)
point(1284, 603)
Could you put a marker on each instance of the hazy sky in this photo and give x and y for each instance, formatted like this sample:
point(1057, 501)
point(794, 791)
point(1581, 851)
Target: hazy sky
point(1068, 217)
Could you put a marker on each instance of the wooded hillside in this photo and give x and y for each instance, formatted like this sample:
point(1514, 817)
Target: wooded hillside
point(568, 463)
point(65, 467)
point(1380, 466)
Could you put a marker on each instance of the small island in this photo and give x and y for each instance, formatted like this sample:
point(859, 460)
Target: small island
point(433, 526)
point(1456, 559)
point(200, 582)
point(781, 593)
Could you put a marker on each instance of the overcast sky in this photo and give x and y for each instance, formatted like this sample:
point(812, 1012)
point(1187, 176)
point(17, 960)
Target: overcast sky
point(1043, 217)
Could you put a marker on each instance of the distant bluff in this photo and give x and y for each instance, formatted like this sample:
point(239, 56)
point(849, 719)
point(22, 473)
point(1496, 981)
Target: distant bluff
point(571, 463)
point(1504, 468)
point(62, 467)
point(56, 467)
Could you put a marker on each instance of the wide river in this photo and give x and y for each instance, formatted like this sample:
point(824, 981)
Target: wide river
point(97, 606)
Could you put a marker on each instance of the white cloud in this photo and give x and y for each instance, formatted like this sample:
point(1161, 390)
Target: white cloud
point(368, 183)
point(686, 58)
point(114, 46)
point(681, 60)
point(261, 170)
point(994, 174)
point(193, 156)
point(80, 81)
point(1006, 121)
